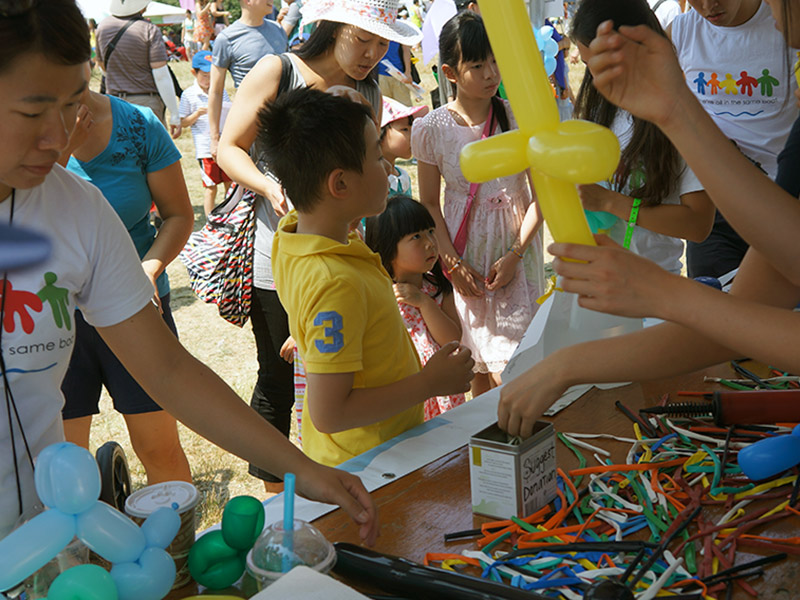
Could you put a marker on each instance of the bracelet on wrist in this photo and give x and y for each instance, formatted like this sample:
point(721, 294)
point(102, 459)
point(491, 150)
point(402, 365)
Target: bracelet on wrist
point(518, 251)
point(455, 265)
point(637, 202)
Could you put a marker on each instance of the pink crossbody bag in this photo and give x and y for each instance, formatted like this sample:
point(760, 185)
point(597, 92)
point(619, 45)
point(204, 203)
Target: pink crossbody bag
point(460, 241)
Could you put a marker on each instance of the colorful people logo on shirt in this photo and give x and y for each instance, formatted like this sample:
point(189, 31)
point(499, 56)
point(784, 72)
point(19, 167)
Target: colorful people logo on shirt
point(747, 85)
point(22, 302)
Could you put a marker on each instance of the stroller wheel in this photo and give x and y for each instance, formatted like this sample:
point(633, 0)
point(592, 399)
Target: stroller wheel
point(114, 475)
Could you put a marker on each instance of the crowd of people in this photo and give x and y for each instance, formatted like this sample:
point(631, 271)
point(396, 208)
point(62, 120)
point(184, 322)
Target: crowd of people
point(390, 307)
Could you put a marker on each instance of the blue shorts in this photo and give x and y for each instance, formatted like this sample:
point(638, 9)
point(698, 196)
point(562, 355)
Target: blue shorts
point(93, 365)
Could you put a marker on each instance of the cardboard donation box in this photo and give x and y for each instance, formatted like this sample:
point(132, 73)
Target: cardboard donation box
point(512, 478)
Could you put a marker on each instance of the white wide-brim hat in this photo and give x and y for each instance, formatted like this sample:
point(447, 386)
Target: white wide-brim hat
point(379, 17)
point(126, 8)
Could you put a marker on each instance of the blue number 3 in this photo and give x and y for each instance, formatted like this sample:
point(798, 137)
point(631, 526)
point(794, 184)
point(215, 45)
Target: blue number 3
point(332, 333)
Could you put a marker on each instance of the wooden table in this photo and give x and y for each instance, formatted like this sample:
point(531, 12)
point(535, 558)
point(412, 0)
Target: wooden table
point(417, 510)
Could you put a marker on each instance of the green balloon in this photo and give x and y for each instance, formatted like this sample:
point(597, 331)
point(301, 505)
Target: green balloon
point(83, 582)
point(242, 522)
point(213, 563)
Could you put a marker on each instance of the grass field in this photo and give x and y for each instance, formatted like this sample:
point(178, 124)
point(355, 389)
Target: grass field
point(228, 350)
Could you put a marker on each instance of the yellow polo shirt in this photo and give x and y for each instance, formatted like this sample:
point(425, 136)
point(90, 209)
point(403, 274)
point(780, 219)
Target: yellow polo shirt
point(344, 317)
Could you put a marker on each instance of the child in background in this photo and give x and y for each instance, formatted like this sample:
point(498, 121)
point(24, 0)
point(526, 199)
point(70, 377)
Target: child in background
point(405, 237)
point(498, 274)
point(187, 35)
point(193, 110)
point(364, 383)
point(396, 141)
point(652, 179)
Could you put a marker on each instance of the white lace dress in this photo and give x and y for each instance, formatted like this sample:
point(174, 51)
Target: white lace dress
point(494, 323)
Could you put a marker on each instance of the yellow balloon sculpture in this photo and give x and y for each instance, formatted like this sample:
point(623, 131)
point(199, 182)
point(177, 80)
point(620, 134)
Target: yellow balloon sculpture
point(560, 155)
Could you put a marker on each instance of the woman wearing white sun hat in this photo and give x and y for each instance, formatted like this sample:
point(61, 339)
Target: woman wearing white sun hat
point(351, 37)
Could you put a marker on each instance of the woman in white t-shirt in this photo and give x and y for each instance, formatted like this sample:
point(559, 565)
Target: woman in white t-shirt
point(94, 266)
point(656, 197)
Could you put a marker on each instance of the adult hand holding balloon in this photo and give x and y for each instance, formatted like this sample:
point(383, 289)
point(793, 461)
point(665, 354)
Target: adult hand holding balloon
point(560, 155)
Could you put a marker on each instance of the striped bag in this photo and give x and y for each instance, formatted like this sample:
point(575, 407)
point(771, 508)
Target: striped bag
point(219, 257)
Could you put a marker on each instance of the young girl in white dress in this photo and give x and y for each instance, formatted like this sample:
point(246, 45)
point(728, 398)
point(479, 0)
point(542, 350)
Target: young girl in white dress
point(499, 274)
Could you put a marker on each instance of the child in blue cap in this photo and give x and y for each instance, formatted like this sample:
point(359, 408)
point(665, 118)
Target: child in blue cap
point(193, 111)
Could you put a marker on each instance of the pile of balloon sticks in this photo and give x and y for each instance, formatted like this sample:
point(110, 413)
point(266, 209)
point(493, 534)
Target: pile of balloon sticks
point(680, 486)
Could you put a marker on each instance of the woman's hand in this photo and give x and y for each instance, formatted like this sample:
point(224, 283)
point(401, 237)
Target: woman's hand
point(354, 95)
point(84, 122)
point(273, 192)
point(502, 271)
point(152, 277)
point(636, 69)
point(287, 350)
point(334, 486)
point(524, 399)
point(409, 294)
point(610, 279)
point(466, 280)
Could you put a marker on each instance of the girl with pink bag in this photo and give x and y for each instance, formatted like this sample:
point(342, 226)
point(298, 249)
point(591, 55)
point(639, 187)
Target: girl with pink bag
point(488, 235)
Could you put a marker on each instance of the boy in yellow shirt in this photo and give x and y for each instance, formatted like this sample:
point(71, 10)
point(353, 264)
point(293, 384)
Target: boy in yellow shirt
point(364, 383)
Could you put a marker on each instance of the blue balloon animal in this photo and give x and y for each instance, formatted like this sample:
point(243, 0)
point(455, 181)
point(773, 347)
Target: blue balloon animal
point(68, 483)
point(548, 47)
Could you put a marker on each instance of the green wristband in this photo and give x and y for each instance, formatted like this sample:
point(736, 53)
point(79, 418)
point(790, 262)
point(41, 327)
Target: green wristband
point(637, 202)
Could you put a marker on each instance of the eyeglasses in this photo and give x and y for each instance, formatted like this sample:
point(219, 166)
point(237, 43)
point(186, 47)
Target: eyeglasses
point(14, 8)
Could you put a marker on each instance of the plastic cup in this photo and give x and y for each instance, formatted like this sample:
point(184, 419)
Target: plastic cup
point(269, 555)
point(141, 503)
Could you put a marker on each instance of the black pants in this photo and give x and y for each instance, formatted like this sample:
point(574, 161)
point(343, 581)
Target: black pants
point(721, 252)
point(273, 396)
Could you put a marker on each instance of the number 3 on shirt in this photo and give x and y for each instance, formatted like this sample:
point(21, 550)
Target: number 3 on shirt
point(334, 340)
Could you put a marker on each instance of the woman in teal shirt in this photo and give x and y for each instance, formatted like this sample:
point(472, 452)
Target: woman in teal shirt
point(124, 150)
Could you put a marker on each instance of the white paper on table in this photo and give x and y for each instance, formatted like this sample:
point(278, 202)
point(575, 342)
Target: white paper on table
point(561, 322)
point(403, 454)
point(308, 584)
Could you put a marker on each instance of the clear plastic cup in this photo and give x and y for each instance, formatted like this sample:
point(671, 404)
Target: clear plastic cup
point(276, 551)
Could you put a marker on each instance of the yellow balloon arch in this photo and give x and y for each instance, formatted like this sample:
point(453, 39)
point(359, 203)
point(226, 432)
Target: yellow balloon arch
point(560, 155)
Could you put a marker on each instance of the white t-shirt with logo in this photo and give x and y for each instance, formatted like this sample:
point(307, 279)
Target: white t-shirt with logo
point(741, 76)
point(94, 266)
point(664, 250)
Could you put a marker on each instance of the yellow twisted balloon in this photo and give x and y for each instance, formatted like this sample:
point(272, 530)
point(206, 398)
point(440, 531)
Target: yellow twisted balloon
point(560, 155)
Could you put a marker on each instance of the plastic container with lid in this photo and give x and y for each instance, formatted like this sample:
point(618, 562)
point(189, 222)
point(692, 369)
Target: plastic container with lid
point(271, 555)
point(142, 502)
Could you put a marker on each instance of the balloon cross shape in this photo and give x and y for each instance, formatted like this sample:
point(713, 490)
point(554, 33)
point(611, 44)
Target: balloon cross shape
point(560, 155)
point(68, 483)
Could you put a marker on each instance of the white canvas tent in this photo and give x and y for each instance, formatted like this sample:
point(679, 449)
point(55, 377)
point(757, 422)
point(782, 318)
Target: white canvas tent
point(158, 12)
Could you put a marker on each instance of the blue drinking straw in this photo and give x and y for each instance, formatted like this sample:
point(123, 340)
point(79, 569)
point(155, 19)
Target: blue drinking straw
point(288, 522)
